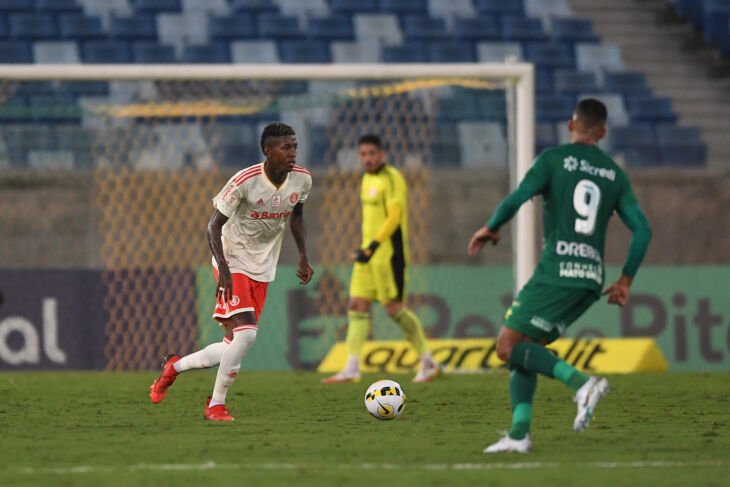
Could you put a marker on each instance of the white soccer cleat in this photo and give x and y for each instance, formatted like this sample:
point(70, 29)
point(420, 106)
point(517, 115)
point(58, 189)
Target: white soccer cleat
point(587, 398)
point(507, 444)
point(428, 372)
point(342, 377)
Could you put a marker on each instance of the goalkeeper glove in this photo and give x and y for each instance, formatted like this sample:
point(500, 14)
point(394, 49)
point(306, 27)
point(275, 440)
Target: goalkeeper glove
point(363, 255)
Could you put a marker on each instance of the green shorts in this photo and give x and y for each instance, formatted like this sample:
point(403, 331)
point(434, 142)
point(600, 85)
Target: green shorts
point(545, 311)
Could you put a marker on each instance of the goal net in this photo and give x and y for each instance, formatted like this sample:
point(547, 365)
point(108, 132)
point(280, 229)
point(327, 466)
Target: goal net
point(158, 142)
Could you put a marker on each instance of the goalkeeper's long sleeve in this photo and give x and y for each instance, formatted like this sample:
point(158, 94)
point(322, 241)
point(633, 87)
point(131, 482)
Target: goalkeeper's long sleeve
point(634, 218)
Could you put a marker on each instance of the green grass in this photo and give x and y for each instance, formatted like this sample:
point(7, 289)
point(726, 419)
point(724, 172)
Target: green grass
point(291, 430)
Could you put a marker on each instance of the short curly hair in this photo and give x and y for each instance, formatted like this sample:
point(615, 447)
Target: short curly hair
point(276, 129)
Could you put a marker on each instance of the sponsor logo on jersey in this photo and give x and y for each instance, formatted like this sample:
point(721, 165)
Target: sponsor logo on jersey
point(581, 270)
point(373, 192)
point(575, 249)
point(570, 164)
point(269, 215)
point(276, 201)
point(260, 202)
point(294, 198)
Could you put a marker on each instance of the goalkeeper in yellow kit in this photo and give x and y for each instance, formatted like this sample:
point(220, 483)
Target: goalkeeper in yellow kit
point(379, 273)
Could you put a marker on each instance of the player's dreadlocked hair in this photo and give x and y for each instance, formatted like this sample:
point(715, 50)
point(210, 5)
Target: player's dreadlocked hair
point(370, 139)
point(591, 112)
point(276, 129)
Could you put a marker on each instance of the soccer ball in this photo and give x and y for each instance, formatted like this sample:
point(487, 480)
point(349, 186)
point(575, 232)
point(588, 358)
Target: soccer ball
point(385, 399)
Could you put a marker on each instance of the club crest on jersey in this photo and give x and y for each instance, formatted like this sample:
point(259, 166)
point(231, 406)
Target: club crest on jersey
point(260, 202)
point(235, 300)
point(373, 192)
point(276, 201)
point(294, 198)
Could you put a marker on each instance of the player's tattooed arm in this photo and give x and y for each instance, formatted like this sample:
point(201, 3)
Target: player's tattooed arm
point(224, 288)
point(299, 232)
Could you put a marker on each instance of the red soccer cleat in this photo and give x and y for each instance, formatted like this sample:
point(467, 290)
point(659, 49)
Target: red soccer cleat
point(169, 374)
point(217, 413)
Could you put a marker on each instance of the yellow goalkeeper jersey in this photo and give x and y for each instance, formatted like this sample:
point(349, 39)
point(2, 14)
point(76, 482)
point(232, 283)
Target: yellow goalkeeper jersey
point(384, 197)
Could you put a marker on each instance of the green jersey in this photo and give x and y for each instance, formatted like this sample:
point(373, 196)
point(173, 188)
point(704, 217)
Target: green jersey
point(581, 188)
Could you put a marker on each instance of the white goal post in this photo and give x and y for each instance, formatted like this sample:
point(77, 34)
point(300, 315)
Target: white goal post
point(518, 77)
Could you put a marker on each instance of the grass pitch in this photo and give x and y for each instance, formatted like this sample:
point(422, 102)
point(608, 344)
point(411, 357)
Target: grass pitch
point(101, 429)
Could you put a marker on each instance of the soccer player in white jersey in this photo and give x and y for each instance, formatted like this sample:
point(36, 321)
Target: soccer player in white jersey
point(245, 235)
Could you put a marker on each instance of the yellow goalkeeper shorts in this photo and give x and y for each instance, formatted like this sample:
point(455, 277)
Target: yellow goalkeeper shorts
point(379, 280)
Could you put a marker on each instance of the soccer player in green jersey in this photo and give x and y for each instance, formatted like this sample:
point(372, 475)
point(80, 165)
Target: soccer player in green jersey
point(581, 188)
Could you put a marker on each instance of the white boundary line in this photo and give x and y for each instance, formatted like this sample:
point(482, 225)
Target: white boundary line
point(210, 465)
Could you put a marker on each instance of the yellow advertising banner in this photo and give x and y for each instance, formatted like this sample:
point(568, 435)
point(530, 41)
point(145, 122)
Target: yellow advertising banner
point(599, 355)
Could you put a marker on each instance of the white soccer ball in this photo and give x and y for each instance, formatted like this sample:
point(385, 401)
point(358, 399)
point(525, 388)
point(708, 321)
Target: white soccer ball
point(385, 399)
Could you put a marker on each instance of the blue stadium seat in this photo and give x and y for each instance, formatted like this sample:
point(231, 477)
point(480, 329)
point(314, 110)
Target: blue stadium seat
point(276, 26)
point(238, 26)
point(56, 52)
point(32, 26)
point(355, 52)
point(461, 106)
point(573, 30)
point(626, 83)
point(339, 27)
point(58, 6)
point(598, 58)
point(84, 88)
point(407, 53)
point(57, 108)
point(422, 27)
point(33, 88)
point(104, 52)
point(654, 110)
point(4, 29)
point(307, 51)
point(636, 142)
point(17, 6)
point(137, 28)
point(155, 6)
point(550, 55)
point(153, 53)
point(544, 80)
point(451, 52)
point(498, 52)
point(215, 52)
point(522, 29)
point(254, 6)
point(545, 136)
point(350, 6)
point(380, 28)
point(680, 146)
point(258, 51)
point(502, 7)
point(483, 28)
point(552, 108)
point(569, 81)
point(492, 105)
point(81, 27)
point(403, 6)
point(15, 52)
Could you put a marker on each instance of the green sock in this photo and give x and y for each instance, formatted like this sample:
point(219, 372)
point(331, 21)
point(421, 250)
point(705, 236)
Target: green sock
point(522, 386)
point(357, 331)
point(536, 358)
point(412, 329)
point(569, 375)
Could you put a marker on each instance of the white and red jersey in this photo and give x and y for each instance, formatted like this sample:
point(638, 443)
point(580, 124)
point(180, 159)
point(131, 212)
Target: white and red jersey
point(257, 213)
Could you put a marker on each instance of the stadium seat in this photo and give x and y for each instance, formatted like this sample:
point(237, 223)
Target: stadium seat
point(255, 52)
point(32, 26)
point(492, 105)
point(218, 8)
point(502, 7)
point(636, 142)
point(153, 53)
point(572, 30)
point(331, 28)
point(462, 105)
point(180, 30)
point(569, 81)
point(382, 28)
point(680, 146)
point(626, 83)
point(155, 6)
point(499, 52)
point(615, 105)
point(451, 52)
point(106, 9)
point(452, 10)
point(98, 52)
point(58, 6)
point(545, 137)
point(355, 52)
point(483, 144)
point(350, 6)
point(482, 29)
point(303, 10)
point(598, 58)
point(137, 28)
point(56, 52)
point(407, 53)
point(422, 27)
point(80, 27)
point(84, 88)
point(544, 80)
point(404, 6)
point(654, 110)
point(215, 52)
point(546, 10)
point(254, 6)
point(238, 26)
point(275, 26)
point(15, 52)
point(55, 108)
point(549, 55)
point(552, 108)
point(26, 89)
point(522, 29)
point(17, 6)
point(307, 51)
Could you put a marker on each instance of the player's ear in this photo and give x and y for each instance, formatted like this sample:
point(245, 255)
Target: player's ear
point(601, 132)
point(570, 124)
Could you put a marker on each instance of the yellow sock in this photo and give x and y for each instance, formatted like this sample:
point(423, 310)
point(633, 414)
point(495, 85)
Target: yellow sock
point(412, 328)
point(357, 331)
